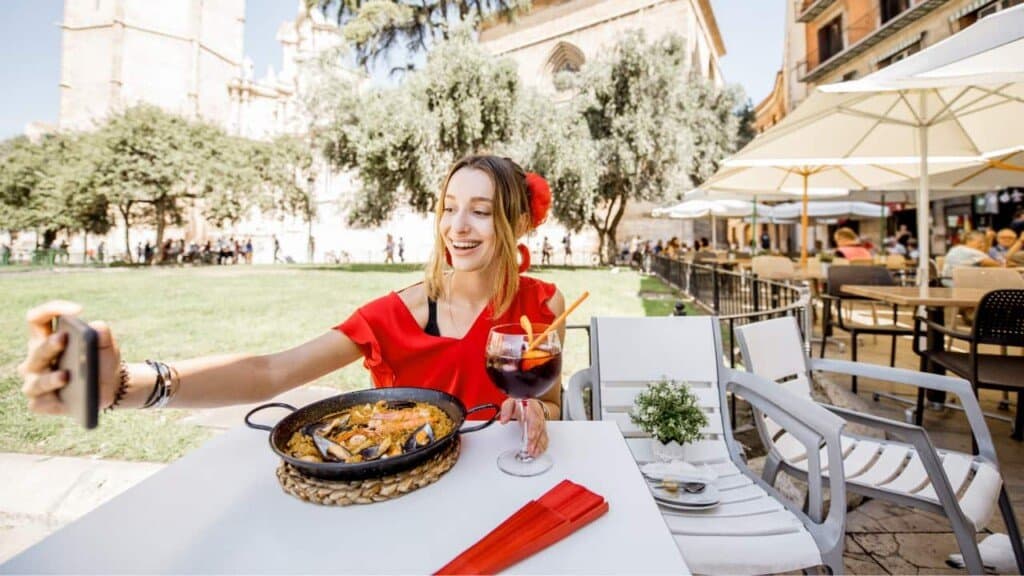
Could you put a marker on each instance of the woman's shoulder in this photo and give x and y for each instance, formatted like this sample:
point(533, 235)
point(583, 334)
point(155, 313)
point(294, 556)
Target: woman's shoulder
point(414, 299)
point(540, 292)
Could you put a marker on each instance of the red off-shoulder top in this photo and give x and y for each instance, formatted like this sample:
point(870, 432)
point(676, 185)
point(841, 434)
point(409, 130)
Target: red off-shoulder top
point(398, 352)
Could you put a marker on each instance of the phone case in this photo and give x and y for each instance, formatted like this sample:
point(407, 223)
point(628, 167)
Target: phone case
point(81, 359)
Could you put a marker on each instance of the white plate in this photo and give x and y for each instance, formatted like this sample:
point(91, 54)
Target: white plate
point(686, 507)
point(709, 497)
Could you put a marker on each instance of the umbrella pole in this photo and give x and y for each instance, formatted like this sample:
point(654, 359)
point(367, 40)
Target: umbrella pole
point(753, 230)
point(803, 225)
point(923, 205)
point(714, 233)
point(883, 230)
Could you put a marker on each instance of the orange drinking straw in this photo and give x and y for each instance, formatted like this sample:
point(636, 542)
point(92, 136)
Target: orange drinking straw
point(557, 322)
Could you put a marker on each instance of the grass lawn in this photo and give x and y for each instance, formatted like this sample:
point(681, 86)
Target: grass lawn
point(186, 312)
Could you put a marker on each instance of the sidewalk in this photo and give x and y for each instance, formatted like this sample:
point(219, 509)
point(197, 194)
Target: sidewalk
point(39, 493)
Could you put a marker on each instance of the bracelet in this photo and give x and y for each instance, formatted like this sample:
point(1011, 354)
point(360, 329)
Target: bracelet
point(164, 388)
point(122, 387)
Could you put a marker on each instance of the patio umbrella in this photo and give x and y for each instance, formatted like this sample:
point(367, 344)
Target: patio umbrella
point(838, 209)
point(727, 208)
point(781, 176)
point(1001, 170)
point(953, 102)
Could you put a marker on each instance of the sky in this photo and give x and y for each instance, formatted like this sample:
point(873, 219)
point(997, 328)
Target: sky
point(30, 40)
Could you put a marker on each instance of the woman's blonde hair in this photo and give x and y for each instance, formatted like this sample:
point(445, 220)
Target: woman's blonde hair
point(511, 220)
point(845, 234)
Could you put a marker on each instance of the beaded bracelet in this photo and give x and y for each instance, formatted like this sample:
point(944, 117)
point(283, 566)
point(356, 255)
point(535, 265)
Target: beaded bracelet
point(122, 387)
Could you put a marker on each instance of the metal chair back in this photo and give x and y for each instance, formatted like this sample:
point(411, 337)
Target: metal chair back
point(999, 319)
point(865, 275)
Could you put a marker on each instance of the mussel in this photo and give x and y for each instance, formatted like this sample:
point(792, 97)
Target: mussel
point(419, 438)
point(400, 404)
point(375, 451)
point(329, 450)
point(339, 424)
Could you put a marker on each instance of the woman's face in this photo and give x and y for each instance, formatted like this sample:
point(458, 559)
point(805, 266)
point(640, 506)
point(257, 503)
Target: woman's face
point(467, 223)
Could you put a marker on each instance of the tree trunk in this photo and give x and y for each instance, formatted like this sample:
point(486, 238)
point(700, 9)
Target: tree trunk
point(309, 240)
point(125, 212)
point(158, 254)
point(85, 248)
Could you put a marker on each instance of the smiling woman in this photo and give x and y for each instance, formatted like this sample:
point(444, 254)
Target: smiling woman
point(429, 335)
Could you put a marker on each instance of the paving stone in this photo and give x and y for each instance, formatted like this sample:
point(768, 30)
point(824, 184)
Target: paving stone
point(927, 551)
point(32, 484)
point(879, 516)
point(99, 484)
point(17, 533)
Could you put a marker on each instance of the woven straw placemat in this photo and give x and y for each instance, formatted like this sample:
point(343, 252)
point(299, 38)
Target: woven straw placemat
point(344, 493)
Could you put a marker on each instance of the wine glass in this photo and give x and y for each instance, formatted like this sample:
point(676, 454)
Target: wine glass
point(523, 374)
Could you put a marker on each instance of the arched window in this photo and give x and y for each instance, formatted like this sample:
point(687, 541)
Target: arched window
point(565, 57)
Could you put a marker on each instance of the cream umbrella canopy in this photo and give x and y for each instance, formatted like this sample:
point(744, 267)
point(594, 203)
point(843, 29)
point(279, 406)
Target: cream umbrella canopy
point(955, 101)
point(779, 176)
point(1001, 170)
point(725, 208)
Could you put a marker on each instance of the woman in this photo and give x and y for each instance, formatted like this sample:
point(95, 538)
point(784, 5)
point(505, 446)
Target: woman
point(848, 245)
point(430, 334)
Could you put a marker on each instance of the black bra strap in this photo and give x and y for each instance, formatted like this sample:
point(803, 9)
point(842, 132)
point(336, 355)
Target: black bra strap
point(431, 327)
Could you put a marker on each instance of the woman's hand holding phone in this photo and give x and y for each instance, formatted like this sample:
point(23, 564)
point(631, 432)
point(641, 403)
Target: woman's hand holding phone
point(43, 380)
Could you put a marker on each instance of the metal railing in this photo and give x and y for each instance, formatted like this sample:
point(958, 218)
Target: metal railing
point(737, 298)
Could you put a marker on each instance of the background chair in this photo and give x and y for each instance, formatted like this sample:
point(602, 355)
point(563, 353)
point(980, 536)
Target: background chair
point(988, 279)
point(998, 321)
point(755, 529)
point(908, 470)
point(773, 267)
point(858, 275)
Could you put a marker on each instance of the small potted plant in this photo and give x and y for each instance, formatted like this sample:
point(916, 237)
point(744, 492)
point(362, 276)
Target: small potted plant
point(668, 411)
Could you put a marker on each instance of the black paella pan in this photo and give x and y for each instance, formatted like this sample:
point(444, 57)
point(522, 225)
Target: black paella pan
point(282, 432)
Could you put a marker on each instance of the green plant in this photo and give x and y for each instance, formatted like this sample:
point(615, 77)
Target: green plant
point(826, 257)
point(669, 412)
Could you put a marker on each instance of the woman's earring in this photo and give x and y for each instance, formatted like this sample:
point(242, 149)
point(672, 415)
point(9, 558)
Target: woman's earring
point(524, 258)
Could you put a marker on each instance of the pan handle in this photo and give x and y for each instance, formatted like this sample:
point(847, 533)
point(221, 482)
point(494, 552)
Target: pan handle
point(497, 411)
point(254, 426)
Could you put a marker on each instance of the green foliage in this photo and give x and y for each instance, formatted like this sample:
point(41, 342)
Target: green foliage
point(402, 139)
point(402, 30)
point(746, 117)
point(669, 412)
point(655, 128)
point(49, 186)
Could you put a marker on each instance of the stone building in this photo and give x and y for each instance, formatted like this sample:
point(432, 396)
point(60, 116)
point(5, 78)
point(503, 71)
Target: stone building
point(177, 54)
point(562, 35)
point(186, 56)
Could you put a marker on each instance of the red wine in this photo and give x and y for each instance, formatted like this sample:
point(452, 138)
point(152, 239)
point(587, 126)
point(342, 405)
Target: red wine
point(524, 377)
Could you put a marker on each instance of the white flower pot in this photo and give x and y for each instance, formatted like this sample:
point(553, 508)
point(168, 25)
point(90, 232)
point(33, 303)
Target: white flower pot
point(668, 452)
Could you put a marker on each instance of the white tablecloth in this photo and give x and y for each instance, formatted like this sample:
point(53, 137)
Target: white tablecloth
point(220, 510)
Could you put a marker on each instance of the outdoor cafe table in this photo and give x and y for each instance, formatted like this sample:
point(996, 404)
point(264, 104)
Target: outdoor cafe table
point(220, 510)
point(934, 299)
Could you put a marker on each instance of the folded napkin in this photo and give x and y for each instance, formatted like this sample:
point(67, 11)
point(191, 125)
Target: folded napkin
point(678, 471)
point(540, 523)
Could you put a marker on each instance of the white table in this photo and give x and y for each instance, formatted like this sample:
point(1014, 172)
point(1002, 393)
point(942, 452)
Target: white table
point(220, 510)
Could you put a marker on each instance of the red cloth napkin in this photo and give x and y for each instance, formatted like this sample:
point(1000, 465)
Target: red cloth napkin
point(540, 523)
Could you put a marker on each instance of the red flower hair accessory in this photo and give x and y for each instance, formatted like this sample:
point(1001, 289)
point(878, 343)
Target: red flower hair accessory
point(539, 194)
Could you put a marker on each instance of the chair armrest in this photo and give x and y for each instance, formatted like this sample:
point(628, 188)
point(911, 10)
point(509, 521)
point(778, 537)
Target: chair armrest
point(942, 329)
point(574, 409)
point(917, 437)
point(812, 425)
point(958, 386)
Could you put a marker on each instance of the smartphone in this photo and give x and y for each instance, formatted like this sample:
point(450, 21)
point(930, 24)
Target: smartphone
point(81, 360)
